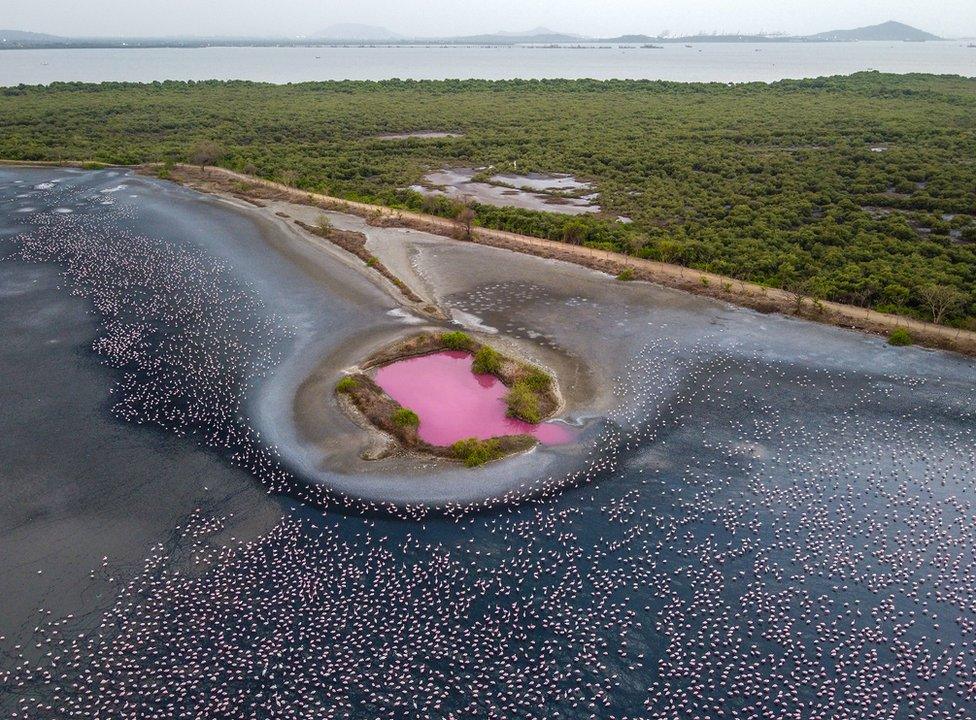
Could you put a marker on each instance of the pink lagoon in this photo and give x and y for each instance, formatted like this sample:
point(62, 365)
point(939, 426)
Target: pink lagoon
point(453, 403)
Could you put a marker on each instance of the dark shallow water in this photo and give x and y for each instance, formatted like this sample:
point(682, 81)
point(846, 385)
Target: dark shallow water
point(776, 520)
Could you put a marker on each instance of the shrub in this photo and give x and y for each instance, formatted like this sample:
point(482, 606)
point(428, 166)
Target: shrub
point(473, 452)
point(323, 223)
point(523, 403)
point(900, 337)
point(404, 417)
point(456, 340)
point(205, 152)
point(538, 381)
point(373, 261)
point(346, 384)
point(625, 274)
point(486, 361)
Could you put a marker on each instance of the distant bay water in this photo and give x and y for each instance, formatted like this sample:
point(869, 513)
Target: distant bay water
point(704, 62)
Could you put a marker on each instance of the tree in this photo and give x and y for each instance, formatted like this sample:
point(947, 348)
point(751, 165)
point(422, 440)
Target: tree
point(940, 299)
point(862, 297)
point(798, 289)
point(636, 242)
point(574, 231)
point(672, 253)
point(205, 152)
point(465, 218)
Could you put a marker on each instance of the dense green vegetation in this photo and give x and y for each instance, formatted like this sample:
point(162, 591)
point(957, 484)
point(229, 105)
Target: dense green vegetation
point(404, 417)
point(473, 452)
point(346, 384)
point(523, 403)
point(859, 189)
point(538, 381)
point(456, 340)
point(486, 361)
point(900, 337)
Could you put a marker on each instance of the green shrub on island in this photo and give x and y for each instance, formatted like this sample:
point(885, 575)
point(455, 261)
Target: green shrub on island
point(404, 417)
point(486, 361)
point(538, 381)
point(523, 403)
point(456, 340)
point(346, 384)
point(625, 275)
point(473, 452)
point(900, 337)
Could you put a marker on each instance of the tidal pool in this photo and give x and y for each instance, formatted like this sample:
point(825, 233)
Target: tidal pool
point(454, 403)
point(531, 192)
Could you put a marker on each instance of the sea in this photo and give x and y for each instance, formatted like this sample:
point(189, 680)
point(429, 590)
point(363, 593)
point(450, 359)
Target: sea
point(703, 62)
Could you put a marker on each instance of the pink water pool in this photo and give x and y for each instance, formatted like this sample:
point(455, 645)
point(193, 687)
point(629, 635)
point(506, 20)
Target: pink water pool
point(453, 403)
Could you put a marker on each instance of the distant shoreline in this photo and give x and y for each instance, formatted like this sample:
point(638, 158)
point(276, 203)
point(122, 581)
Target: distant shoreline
point(542, 45)
point(370, 36)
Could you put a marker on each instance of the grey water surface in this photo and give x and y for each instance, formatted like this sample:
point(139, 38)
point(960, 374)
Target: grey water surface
point(705, 62)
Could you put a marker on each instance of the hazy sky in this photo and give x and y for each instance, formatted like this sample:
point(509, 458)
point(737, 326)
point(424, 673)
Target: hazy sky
point(952, 18)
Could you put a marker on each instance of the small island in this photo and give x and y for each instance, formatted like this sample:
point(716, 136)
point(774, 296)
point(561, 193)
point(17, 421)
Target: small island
point(450, 396)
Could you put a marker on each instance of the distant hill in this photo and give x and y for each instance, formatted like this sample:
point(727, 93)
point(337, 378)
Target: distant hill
point(356, 31)
point(534, 32)
point(635, 39)
point(513, 39)
point(21, 38)
point(890, 31)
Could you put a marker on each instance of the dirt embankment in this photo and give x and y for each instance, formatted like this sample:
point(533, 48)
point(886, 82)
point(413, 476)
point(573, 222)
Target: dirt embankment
point(355, 243)
point(724, 288)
